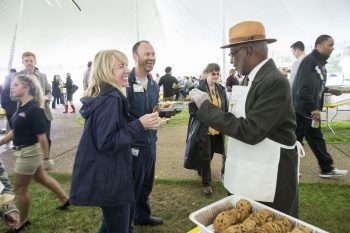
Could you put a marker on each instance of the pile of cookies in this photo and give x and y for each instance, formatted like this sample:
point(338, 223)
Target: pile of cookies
point(242, 220)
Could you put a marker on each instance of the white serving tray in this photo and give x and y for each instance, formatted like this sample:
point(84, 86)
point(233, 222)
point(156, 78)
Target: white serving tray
point(205, 217)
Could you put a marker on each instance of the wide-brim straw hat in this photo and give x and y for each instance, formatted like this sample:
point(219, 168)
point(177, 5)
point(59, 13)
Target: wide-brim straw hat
point(245, 32)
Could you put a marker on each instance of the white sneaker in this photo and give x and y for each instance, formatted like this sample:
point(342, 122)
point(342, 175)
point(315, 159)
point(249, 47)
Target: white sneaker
point(334, 173)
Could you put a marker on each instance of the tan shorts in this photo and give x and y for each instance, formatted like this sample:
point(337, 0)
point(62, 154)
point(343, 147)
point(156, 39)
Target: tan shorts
point(28, 160)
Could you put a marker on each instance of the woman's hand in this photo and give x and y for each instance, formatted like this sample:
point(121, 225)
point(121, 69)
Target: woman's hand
point(150, 121)
point(7, 138)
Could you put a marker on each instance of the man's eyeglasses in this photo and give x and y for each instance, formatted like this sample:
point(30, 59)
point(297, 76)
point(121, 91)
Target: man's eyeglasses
point(233, 54)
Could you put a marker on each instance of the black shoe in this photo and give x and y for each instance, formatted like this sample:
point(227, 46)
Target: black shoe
point(64, 206)
point(152, 221)
point(24, 225)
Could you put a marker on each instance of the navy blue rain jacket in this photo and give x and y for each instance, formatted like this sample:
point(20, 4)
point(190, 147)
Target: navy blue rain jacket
point(102, 173)
point(142, 103)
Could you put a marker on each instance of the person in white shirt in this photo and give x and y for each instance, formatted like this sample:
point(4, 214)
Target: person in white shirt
point(298, 50)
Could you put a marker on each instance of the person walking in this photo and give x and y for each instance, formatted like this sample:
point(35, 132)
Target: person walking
point(102, 172)
point(31, 145)
point(70, 91)
point(205, 141)
point(308, 91)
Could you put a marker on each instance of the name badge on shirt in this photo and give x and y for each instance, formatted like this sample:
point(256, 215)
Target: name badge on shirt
point(138, 88)
point(135, 152)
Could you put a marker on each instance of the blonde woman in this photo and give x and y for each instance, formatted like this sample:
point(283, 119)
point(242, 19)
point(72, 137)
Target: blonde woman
point(31, 145)
point(103, 173)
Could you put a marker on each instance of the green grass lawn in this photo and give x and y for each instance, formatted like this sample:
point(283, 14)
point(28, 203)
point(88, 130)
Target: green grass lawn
point(323, 205)
point(341, 128)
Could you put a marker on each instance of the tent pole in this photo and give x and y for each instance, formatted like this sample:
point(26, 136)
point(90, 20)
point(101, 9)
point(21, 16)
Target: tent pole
point(223, 42)
point(137, 21)
point(13, 45)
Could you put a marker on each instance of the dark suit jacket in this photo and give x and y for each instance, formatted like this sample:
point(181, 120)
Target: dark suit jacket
point(269, 114)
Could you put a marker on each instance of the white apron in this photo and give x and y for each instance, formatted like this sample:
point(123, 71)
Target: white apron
point(251, 170)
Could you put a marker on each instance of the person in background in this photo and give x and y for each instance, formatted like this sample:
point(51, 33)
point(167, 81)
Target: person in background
point(208, 140)
point(308, 89)
point(9, 214)
point(7, 103)
point(143, 96)
point(103, 173)
point(157, 77)
point(261, 161)
point(63, 91)
point(298, 50)
point(87, 76)
point(231, 80)
point(29, 61)
point(31, 145)
point(56, 92)
point(70, 92)
point(169, 84)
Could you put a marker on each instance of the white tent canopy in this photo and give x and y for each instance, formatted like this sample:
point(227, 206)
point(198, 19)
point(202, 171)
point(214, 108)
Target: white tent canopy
point(186, 34)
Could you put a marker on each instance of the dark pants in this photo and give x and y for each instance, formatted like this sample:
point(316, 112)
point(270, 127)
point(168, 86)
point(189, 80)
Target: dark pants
point(212, 143)
point(314, 138)
point(115, 219)
point(144, 166)
point(57, 99)
point(48, 132)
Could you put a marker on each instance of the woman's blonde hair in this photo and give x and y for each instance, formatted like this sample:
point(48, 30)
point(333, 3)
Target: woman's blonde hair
point(102, 71)
point(34, 86)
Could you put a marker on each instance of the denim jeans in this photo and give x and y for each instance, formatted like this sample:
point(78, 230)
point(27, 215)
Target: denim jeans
point(115, 219)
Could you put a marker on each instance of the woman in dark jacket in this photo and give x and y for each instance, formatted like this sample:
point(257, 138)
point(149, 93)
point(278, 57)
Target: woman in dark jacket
point(69, 90)
point(56, 91)
point(202, 140)
point(102, 173)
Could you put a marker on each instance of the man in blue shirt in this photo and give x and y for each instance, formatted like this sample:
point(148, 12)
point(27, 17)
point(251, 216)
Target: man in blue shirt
point(143, 96)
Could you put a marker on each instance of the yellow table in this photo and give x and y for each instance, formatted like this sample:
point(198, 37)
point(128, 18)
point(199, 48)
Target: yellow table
point(194, 230)
point(334, 105)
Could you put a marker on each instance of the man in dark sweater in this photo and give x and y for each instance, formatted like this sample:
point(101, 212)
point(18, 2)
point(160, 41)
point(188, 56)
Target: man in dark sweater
point(231, 80)
point(169, 83)
point(308, 90)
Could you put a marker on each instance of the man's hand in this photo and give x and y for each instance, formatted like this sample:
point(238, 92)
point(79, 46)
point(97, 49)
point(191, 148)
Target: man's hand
point(316, 115)
point(334, 91)
point(198, 97)
point(12, 219)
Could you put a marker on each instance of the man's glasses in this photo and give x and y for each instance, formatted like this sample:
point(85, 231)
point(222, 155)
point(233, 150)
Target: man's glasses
point(232, 54)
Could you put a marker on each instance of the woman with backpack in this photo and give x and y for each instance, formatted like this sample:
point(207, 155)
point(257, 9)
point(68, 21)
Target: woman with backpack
point(70, 89)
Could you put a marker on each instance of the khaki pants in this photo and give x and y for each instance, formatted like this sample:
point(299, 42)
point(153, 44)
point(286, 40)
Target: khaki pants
point(28, 160)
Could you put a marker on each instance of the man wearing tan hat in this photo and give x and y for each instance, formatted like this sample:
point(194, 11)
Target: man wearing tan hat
point(262, 163)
